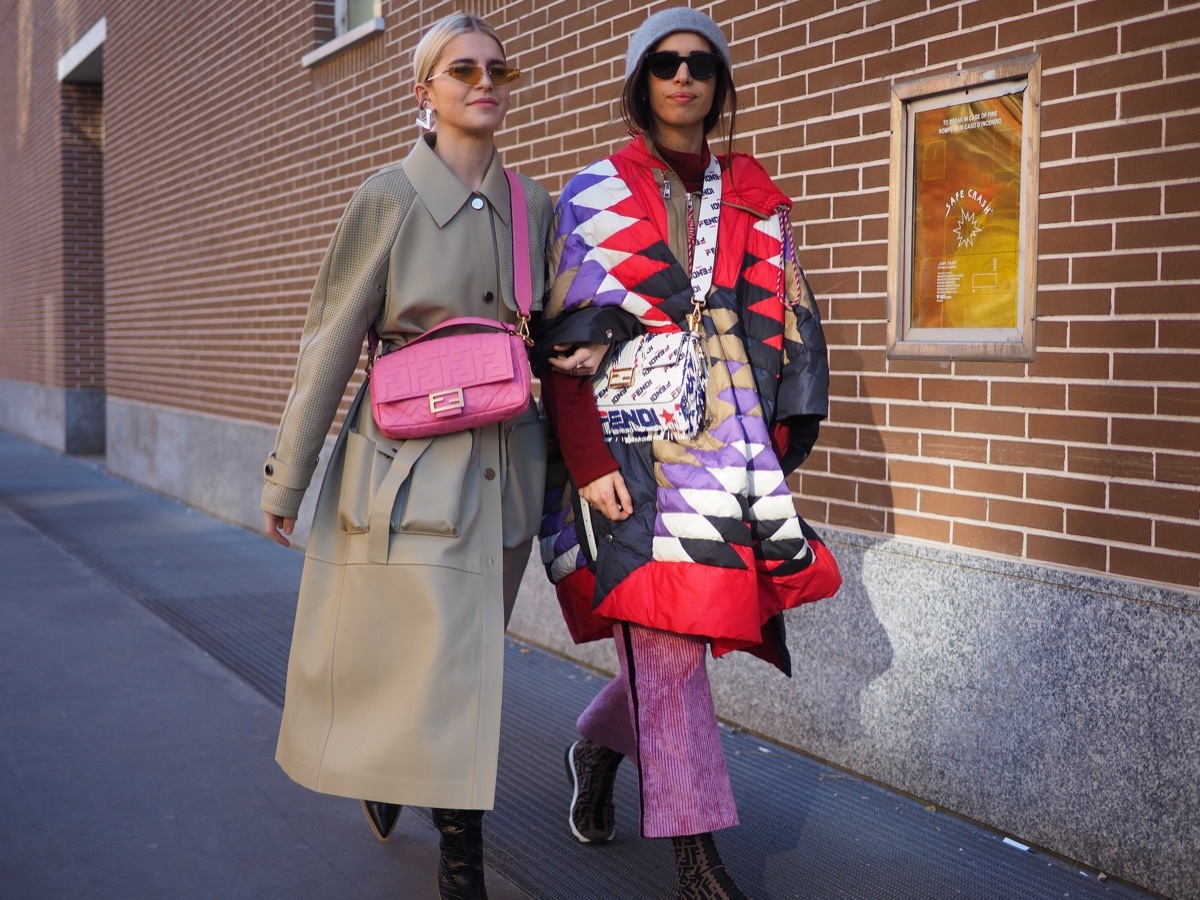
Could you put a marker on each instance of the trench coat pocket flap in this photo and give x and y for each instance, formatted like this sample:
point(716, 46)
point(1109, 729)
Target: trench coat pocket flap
point(406, 457)
point(434, 501)
point(365, 463)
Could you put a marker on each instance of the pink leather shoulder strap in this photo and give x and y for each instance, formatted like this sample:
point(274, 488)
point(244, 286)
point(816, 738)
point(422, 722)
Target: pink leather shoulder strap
point(520, 230)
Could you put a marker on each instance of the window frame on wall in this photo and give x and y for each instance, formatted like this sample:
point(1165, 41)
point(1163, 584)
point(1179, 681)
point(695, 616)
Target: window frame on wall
point(1002, 301)
point(351, 14)
point(354, 23)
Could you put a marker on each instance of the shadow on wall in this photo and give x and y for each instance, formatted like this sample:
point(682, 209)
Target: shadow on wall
point(839, 649)
point(839, 646)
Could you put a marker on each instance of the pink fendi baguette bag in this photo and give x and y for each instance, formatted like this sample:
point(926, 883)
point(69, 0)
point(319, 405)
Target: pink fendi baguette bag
point(465, 372)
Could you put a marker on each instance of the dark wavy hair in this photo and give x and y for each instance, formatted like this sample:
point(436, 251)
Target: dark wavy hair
point(635, 103)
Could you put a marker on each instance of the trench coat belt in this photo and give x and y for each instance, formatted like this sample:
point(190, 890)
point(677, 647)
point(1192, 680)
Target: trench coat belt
point(380, 527)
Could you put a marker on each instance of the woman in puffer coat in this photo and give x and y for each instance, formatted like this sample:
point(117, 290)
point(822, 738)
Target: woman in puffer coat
point(682, 545)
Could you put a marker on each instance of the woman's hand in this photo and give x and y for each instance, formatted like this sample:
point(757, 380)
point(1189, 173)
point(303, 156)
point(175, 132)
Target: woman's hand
point(277, 526)
point(578, 359)
point(609, 495)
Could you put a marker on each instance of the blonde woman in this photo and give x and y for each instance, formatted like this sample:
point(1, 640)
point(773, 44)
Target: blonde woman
point(393, 688)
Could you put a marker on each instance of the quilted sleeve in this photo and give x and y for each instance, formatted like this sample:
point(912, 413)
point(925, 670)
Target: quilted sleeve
point(804, 381)
point(567, 247)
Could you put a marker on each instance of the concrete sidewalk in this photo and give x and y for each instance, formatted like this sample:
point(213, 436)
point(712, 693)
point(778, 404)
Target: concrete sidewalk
point(135, 765)
point(141, 668)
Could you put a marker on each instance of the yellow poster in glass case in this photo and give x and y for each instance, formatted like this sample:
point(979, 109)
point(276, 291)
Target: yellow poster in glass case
point(962, 241)
point(966, 215)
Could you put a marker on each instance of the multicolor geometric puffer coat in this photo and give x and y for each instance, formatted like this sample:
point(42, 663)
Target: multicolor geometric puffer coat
point(714, 546)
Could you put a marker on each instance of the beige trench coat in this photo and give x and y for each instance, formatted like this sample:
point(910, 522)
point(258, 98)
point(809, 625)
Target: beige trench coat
point(417, 548)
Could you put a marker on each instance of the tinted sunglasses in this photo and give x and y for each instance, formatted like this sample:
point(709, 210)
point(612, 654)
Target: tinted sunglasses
point(469, 74)
point(664, 65)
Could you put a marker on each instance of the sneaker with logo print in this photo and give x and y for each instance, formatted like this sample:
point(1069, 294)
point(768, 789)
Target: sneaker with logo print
point(592, 769)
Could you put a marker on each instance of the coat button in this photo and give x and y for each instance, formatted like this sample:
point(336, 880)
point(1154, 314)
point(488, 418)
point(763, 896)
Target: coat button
point(489, 473)
point(489, 297)
point(269, 469)
point(476, 203)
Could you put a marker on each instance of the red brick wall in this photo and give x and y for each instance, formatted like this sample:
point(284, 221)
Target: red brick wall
point(1087, 457)
point(227, 164)
point(51, 288)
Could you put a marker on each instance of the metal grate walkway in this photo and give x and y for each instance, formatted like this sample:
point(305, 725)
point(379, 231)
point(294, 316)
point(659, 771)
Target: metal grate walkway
point(808, 830)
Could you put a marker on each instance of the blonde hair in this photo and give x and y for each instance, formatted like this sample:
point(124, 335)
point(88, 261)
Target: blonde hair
point(434, 41)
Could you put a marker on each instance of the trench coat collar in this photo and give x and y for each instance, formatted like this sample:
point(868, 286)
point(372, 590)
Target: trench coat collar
point(440, 190)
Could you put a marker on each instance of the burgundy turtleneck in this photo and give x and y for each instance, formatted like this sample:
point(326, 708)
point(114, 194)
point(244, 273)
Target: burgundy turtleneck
point(688, 166)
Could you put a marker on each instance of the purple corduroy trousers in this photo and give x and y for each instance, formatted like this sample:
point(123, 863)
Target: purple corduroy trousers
point(659, 712)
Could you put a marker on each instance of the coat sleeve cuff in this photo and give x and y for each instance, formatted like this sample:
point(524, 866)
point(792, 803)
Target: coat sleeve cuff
point(286, 475)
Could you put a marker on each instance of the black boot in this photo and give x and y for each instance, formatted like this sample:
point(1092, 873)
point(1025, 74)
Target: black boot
point(460, 870)
point(702, 875)
point(592, 769)
point(381, 817)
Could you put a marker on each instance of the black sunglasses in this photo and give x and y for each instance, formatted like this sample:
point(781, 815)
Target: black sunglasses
point(664, 65)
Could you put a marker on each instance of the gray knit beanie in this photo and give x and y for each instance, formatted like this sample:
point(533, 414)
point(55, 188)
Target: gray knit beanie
point(669, 21)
